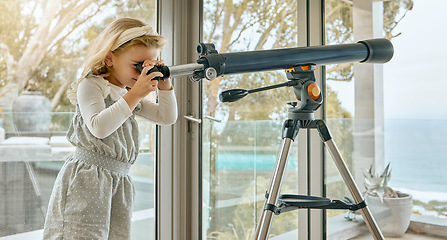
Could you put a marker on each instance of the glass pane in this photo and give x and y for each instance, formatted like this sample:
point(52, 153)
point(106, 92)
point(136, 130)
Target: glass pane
point(412, 122)
point(239, 152)
point(340, 108)
point(415, 116)
point(42, 47)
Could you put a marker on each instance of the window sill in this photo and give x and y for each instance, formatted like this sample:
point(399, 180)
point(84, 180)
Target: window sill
point(433, 226)
point(339, 228)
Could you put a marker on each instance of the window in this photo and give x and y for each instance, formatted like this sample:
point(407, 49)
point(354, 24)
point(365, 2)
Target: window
point(414, 110)
point(239, 152)
point(405, 124)
point(41, 52)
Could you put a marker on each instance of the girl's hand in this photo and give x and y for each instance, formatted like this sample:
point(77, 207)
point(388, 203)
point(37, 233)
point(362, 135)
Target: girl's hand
point(145, 84)
point(162, 85)
point(165, 84)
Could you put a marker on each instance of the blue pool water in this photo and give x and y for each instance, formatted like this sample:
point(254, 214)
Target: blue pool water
point(417, 150)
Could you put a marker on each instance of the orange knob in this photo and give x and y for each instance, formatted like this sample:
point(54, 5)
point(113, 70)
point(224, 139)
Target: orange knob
point(314, 91)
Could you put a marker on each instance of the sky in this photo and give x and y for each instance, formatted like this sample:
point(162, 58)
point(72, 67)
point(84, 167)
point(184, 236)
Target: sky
point(415, 81)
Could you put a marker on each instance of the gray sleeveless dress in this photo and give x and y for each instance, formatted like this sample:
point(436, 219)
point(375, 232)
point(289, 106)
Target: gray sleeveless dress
point(93, 195)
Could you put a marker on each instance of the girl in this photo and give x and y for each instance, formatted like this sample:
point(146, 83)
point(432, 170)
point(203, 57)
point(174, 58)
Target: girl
point(93, 194)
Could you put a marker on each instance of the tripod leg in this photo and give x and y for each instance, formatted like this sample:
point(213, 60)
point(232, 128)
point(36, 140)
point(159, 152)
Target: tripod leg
point(290, 130)
point(348, 179)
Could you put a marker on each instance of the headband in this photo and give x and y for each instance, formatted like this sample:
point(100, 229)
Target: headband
point(132, 33)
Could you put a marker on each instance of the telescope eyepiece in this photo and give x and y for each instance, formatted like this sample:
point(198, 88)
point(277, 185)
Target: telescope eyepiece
point(163, 69)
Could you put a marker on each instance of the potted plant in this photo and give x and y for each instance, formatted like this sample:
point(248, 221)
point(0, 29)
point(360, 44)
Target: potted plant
point(391, 209)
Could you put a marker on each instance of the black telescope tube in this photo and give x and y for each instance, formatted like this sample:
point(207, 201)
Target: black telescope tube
point(368, 51)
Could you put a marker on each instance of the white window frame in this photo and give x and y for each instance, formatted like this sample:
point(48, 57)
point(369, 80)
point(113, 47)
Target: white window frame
point(177, 172)
point(310, 148)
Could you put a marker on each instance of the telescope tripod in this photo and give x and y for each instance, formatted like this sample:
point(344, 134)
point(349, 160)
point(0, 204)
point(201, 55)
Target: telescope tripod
point(302, 79)
point(289, 202)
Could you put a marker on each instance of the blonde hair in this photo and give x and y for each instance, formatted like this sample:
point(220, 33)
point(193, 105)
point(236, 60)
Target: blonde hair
point(111, 40)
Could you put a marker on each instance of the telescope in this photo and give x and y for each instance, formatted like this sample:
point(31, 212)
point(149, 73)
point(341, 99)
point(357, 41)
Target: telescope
point(300, 64)
point(212, 64)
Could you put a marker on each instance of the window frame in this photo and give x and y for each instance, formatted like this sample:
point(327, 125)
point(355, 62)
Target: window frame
point(179, 209)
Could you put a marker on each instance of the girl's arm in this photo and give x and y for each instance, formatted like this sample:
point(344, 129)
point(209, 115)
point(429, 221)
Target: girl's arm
point(101, 121)
point(164, 112)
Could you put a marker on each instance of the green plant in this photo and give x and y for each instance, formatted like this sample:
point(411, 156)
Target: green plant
point(377, 185)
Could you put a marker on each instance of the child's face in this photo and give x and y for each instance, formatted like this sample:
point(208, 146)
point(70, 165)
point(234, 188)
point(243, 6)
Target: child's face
point(123, 72)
